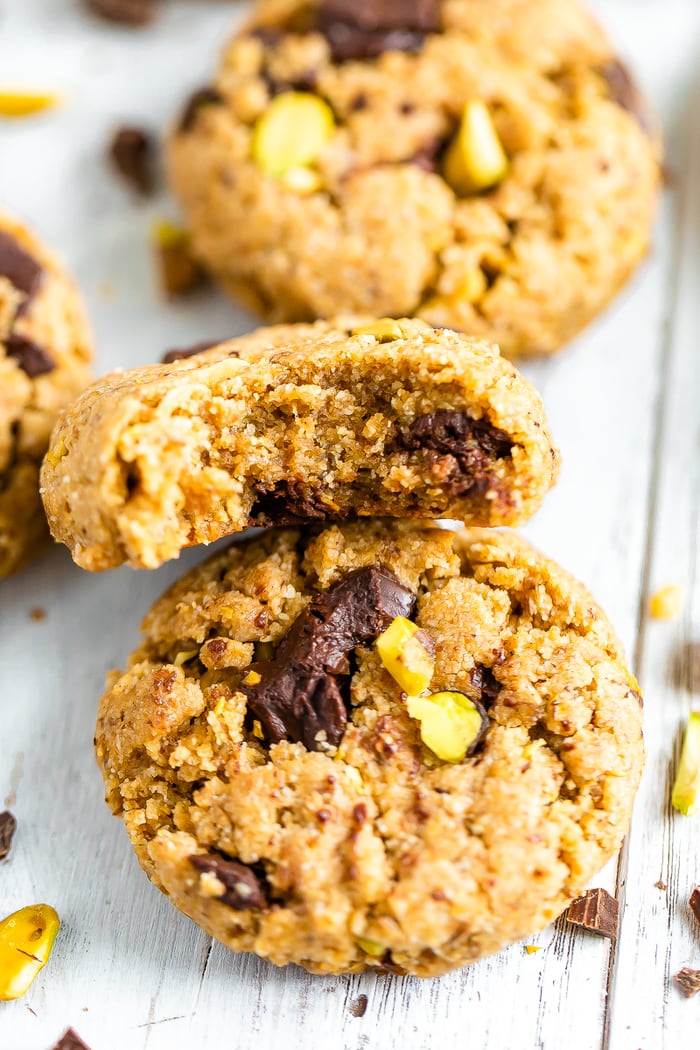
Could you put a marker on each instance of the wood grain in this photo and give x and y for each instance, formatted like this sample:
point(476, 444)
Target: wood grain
point(129, 971)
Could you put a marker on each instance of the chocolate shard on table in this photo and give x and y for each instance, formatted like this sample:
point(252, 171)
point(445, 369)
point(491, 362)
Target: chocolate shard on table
point(8, 826)
point(132, 153)
point(596, 911)
point(694, 903)
point(688, 981)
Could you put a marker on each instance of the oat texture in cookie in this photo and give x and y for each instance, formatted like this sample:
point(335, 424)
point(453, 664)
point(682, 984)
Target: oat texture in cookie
point(487, 165)
point(281, 787)
point(44, 364)
point(296, 423)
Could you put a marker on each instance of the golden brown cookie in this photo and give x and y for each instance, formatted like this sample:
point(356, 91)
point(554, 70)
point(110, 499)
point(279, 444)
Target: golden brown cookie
point(296, 423)
point(44, 364)
point(487, 165)
point(278, 783)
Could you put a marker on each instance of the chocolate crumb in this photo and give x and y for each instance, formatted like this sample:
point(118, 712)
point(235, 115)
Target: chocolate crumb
point(132, 153)
point(625, 92)
point(483, 680)
point(31, 358)
point(358, 1007)
point(126, 12)
point(20, 268)
point(172, 356)
point(8, 826)
point(694, 903)
point(70, 1040)
point(688, 980)
point(244, 889)
point(37, 614)
point(207, 96)
point(299, 695)
point(597, 912)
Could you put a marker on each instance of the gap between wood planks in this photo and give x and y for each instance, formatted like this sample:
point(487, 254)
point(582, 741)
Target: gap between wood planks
point(681, 200)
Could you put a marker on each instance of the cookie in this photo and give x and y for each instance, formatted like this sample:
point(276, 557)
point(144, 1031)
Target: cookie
point(44, 364)
point(281, 787)
point(486, 165)
point(296, 423)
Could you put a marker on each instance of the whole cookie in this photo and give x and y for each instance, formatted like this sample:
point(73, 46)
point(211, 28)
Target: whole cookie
point(44, 364)
point(487, 165)
point(282, 789)
point(296, 423)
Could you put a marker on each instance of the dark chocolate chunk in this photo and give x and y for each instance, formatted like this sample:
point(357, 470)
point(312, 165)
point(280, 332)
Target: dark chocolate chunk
point(359, 29)
point(298, 696)
point(30, 357)
point(290, 503)
point(461, 450)
point(358, 1007)
point(688, 980)
point(132, 154)
point(207, 96)
point(20, 268)
point(625, 92)
point(482, 678)
point(128, 12)
point(190, 351)
point(8, 825)
point(244, 889)
point(70, 1040)
point(428, 158)
point(385, 14)
point(694, 903)
point(596, 911)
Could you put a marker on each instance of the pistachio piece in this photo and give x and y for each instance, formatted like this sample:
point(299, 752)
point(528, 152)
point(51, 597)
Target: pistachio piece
point(26, 940)
point(302, 180)
point(407, 654)
point(292, 132)
point(666, 603)
point(25, 103)
point(184, 656)
point(475, 159)
point(451, 724)
point(370, 947)
point(686, 790)
point(384, 331)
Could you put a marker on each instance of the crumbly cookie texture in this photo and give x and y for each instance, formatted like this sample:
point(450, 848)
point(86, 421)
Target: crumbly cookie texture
point(374, 852)
point(301, 219)
point(296, 423)
point(44, 364)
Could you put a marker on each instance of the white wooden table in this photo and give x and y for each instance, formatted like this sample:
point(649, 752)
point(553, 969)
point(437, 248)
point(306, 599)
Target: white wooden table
point(128, 971)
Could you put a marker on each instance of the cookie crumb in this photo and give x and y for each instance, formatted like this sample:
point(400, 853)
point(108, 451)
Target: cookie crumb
point(132, 153)
point(694, 903)
point(8, 826)
point(666, 603)
point(688, 980)
point(596, 911)
point(661, 885)
point(37, 614)
point(358, 1007)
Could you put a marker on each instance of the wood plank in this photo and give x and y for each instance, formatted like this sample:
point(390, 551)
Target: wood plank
point(661, 935)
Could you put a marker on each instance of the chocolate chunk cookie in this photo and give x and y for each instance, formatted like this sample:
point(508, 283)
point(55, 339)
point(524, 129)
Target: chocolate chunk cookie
point(295, 424)
point(376, 745)
point(487, 165)
point(44, 364)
